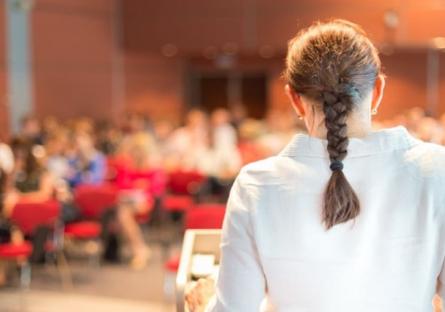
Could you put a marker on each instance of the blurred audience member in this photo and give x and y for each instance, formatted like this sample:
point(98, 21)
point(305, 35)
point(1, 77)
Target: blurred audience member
point(87, 165)
point(187, 143)
point(238, 115)
point(58, 166)
point(6, 158)
point(220, 160)
point(428, 129)
point(30, 130)
point(224, 134)
point(31, 177)
point(83, 125)
point(414, 117)
point(8, 232)
point(33, 184)
point(162, 131)
point(249, 133)
point(50, 126)
point(56, 158)
point(108, 138)
point(281, 127)
point(135, 178)
point(135, 122)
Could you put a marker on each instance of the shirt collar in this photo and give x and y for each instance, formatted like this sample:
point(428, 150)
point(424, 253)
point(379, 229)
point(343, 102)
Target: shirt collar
point(385, 140)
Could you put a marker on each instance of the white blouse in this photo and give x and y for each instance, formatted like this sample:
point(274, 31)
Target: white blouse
point(390, 259)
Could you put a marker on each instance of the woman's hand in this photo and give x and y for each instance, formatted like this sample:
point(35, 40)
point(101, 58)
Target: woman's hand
point(437, 304)
point(198, 296)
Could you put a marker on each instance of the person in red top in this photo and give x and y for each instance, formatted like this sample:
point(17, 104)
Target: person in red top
point(139, 181)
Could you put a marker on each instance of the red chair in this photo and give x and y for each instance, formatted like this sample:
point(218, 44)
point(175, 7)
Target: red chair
point(151, 181)
point(18, 253)
point(182, 186)
point(177, 203)
point(200, 217)
point(113, 166)
point(83, 230)
point(28, 216)
point(94, 200)
point(205, 216)
point(185, 182)
point(11, 251)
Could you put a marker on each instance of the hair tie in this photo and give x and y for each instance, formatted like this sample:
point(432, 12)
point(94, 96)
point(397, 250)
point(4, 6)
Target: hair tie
point(336, 165)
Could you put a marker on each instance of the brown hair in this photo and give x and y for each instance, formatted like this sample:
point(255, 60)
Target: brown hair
point(336, 65)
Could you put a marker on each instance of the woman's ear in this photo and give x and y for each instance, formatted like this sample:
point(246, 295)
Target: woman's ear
point(295, 99)
point(378, 92)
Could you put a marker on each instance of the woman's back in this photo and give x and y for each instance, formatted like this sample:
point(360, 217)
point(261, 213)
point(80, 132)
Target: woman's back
point(352, 222)
point(386, 259)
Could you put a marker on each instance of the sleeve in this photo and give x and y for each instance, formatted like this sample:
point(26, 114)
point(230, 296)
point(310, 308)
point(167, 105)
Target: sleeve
point(241, 283)
point(440, 283)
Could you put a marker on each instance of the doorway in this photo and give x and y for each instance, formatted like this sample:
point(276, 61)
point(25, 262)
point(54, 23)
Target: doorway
point(212, 90)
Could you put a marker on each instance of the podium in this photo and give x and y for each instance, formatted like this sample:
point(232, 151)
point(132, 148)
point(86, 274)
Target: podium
point(195, 242)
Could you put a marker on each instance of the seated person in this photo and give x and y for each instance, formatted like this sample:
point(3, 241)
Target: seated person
point(8, 233)
point(30, 178)
point(86, 165)
point(139, 182)
point(220, 164)
point(33, 183)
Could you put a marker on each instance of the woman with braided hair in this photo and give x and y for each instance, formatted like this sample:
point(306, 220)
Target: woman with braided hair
point(344, 219)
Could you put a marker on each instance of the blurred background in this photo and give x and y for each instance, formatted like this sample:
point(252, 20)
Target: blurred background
point(124, 122)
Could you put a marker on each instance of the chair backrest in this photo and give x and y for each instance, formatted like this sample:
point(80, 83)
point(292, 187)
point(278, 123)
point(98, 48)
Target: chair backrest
point(156, 178)
point(29, 216)
point(185, 182)
point(112, 169)
point(205, 216)
point(94, 200)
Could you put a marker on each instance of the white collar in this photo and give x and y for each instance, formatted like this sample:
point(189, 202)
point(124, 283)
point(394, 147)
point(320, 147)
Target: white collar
point(384, 140)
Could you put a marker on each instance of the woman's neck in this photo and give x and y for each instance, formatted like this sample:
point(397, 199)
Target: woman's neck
point(357, 127)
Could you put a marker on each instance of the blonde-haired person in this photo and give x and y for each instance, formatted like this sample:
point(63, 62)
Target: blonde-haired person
point(186, 143)
point(136, 177)
point(344, 218)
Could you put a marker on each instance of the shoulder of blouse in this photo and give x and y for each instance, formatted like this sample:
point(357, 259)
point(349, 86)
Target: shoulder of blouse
point(428, 159)
point(269, 171)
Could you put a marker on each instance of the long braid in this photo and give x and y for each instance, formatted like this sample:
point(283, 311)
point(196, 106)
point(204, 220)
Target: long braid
point(336, 110)
point(339, 206)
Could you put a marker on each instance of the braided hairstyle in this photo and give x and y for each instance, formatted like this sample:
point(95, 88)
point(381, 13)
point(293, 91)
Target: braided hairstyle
point(336, 65)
